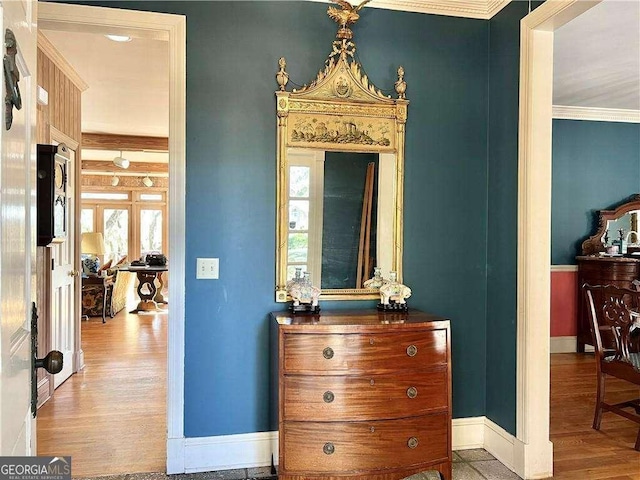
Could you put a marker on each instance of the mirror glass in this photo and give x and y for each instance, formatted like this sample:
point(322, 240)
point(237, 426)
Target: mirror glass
point(340, 222)
point(611, 223)
point(628, 224)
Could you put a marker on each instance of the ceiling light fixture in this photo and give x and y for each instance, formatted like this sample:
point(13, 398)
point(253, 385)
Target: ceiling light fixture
point(115, 180)
point(147, 181)
point(120, 161)
point(119, 38)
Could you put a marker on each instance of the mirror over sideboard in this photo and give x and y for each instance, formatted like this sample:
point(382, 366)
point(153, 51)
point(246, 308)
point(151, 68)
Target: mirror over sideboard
point(613, 225)
point(340, 157)
point(602, 261)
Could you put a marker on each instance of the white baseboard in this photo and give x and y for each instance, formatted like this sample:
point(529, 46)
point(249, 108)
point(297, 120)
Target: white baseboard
point(250, 450)
point(226, 452)
point(499, 443)
point(78, 360)
point(566, 345)
point(175, 455)
point(467, 433)
point(533, 461)
point(563, 344)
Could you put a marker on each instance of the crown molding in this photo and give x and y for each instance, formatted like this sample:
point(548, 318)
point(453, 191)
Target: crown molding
point(481, 9)
point(563, 112)
point(58, 59)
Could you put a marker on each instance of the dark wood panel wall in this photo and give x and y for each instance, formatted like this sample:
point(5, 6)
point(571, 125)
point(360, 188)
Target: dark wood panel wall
point(63, 110)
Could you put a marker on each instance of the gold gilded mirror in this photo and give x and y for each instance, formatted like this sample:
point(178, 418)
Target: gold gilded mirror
point(340, 157)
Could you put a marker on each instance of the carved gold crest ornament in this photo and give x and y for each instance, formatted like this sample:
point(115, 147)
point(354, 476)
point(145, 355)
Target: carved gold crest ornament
point(316, 110)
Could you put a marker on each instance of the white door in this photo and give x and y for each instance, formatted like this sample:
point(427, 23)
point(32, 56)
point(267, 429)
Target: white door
point(17, 236)
point(63, 278)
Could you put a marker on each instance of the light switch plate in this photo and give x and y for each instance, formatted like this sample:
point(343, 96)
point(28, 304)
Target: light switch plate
point(207, 268)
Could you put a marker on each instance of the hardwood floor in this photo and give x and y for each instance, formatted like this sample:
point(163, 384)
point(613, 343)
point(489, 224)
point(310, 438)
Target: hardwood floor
point(581, 453)
point(111, 416)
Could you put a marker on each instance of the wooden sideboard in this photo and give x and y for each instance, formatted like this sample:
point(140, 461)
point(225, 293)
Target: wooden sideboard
point(361, 394)
point(600, 270)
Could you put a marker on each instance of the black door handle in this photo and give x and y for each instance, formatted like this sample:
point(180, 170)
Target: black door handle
point(52, 363)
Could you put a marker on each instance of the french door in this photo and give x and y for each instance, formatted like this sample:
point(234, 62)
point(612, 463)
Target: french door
point(133, 229)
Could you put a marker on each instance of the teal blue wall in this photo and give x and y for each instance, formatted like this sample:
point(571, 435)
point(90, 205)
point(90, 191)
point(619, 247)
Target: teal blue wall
point(233, 50)
point(504, 67)
point(596, 166)
point(461, 160)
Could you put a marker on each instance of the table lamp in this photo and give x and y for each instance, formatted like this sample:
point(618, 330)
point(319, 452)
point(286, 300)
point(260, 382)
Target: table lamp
point(91, 246)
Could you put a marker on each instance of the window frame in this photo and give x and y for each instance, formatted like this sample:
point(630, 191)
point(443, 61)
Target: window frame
point(314, 160)
point(134, 204)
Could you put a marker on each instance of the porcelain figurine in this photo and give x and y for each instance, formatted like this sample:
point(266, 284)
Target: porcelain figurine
point(304, 295)
point(376, 281)
point(393, 295)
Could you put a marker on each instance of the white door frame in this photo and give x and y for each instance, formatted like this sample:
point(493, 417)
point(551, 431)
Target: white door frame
point(533, 452)
point(172, 28)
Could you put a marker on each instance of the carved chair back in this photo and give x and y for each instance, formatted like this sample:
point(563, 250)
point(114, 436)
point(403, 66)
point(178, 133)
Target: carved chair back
point(614, 313)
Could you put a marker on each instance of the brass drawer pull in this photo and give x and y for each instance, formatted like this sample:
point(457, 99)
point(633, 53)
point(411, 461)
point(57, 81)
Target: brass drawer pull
point(327, 353)
point(412, 392)
point(328, 448)
point(328, 396)
point(412, 442)
point(412, 350)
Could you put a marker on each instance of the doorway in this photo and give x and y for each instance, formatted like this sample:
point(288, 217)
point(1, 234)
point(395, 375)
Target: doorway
point(533, 451)
point(170, 28)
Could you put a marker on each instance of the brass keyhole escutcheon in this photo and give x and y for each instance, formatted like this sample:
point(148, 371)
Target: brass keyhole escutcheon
point(371, 342)
point(412, 350)
point(412, 392)
point(412, 442)
point(372, 381)
point(328, 396)
point(372, 429)
point(328, 448)
point(327, 353)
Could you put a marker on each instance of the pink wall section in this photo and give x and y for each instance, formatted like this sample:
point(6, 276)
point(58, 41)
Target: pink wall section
point(564, 304)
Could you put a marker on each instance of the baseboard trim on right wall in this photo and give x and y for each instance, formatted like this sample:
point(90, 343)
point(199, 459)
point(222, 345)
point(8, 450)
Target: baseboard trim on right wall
point(499, 443)
point(563, 344)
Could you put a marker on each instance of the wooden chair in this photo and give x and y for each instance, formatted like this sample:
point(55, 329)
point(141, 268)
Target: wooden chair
point(613, 312)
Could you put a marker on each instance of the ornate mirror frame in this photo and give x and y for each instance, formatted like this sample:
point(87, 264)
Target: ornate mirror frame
point(593, 245)
point(340, 93)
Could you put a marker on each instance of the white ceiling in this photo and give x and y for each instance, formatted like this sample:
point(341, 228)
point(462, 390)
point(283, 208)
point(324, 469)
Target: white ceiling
point(597, 58)
point(596, 64)
point(128, 82)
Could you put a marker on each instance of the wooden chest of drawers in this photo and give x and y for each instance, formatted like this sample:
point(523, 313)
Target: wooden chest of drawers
point(361, 395)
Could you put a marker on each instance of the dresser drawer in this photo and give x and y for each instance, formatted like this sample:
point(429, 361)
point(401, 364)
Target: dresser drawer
point(606, 272)
point(334, 447)
point(341, 398)
point(327, 354)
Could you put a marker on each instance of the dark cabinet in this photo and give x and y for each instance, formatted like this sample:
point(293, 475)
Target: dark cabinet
point(597, 270)
point(51, 185)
